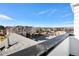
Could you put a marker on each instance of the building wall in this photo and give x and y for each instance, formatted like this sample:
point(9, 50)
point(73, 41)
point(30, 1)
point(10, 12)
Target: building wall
point(61, 50)
point(74, 46)
point(75, 8)
point(74, 41)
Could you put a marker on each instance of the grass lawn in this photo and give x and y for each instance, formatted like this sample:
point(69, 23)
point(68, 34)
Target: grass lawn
point(2, 38)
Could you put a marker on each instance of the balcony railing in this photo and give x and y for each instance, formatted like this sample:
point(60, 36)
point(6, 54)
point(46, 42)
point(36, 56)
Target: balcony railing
point(42, 49)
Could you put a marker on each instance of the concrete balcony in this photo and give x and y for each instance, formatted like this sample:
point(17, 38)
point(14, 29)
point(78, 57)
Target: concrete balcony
point(63, 45)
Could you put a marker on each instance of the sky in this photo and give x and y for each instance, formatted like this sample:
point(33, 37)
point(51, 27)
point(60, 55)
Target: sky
point(36, 14)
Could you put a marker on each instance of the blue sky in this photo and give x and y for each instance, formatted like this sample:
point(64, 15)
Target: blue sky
point(37, 15)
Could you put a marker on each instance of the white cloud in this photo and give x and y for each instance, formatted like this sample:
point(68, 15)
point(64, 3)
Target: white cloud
point(53, 11)
point(48, 11)
point(66, 15)
point(43, 12)
point(5, 17)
